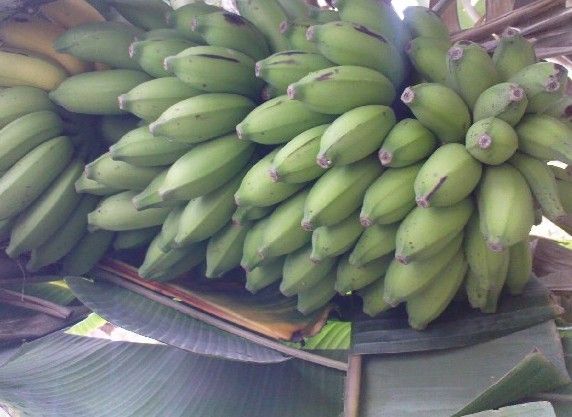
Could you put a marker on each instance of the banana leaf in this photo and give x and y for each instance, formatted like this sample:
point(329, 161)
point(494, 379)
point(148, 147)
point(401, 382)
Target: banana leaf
point(101, 378)
point(87, 326)
point(538, 409)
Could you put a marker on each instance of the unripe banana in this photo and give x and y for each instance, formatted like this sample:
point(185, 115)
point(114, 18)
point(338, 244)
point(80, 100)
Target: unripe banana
point(162, 34)
point(65, 238)
point(284, 68)
point(266, 15)
point(87, 253)
point(372, 297)
point(105, 42)
point(113, 128)
point(185, 259)
point(505, 101)
point(264, 275)
point(295, 162)
point(447, 177)
point(422, 21)
point(300, 273)
point(562, 109)
point(150, 196)
point(47, 214)
point(182, 18)
point(117, 213)
point(355, 135)
point(251, 258)
point(565, 194)
point(543, 84)
point(353, 86)
point(206, 167)
point(203, 117)
point(316, 297)
point(25, 133)
point(206, 215)
point(513, 53)
point(158, 262)
point(170, 228)
point(542, 183)
point(278, 121)
point(283, 233)
point(350, 277)
point(331, 241)
point(121, 175)
point(406, 143)
point(349, 44)
point(21, 68)
point(491, 141)
point(519, 267)
point(16, 102)
point(391, 197)
point(427, 305)
point(375, 241)
point(295, 33)
point(257, 188)
point(32, 174)
point(295, 8)
point(244, 215)
point(403, 281)
point(545, 137)
point(428, 56)
point(70, 13)
point(134, 239)
point(224, 250)
point(439, 109)
point(215, 69)
point(150, 99)
point(101, 87)
point(505, 207)
point(150, 54)
point(232, 31)
point(144, 15)
point(338, 193)
point(85, 185)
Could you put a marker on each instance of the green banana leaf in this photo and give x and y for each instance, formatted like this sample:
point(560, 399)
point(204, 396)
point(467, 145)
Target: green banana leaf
point(87, 326)
point(55, 291)
point(101, 378)
point(538, 409)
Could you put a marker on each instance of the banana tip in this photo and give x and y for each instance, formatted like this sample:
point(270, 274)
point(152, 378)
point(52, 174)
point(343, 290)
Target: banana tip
point(168, 63)
point(516, 93)
point(365, 221)
point(423, 202)
point(273, 173)
point(240, 132)
point(291, 92)
point(194, 24)
point(122, 101)
point(485, 141)
point(284, 26)
point(307, 225)
point(385, 157)
point(153, 128)
point(246, 268)
point(552, 84)
point(455, 53)
point(311, 33)
point(496, 246)
point(510, 32)
point(132, 50)
point(408, 95)
point(237, 200)
point(323, 161)
point(316, 259)
point(258, 69)
point(402, 259)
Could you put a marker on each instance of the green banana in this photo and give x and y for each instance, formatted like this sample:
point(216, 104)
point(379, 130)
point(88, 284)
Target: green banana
point(338, 193)
point(111, 128)
point(505, 206)
point(22, 135)
point(32, 174)
point(428, 56)
point(205, 168)
point(117, 213)
point(391, 197)
point(87, 253)
point(542, 183)
point(243, 215)
point(331, 241)
point(118, 174)
point(207, 214)
point(264, 275)
point(232, 31)
point(355, 135)
point(375, 241)
point(565, 194)
point(105, 42)
point(278, 121)
point(150, 54)
point(64, 240)
point(157, 262)
point(295, 8)
point(283, 233)
point(426, 306)
point(170, 228)
point(150, 197)
point(161, 34)
point(406, 143)
point(215, 69)
point(562, 109)
point(102, 88)
point(47, 214)
point(402, 281)
point(505, 101)
point(422, 21)
point(284, 68)
point(350, 277)
point(181, 261)
point(147, 16)
point(85, 185)
point(440, 109)
point(372, 297)
point(295, 33)
point(182, 18)
point(150, 99)
point(16, 102)
point(543, 83)
point(317, 296)
point(491, 141)
point(346, 43)
point(513, 53)
point(464, 60)
point(224, 250)
point(257, 188)
point(519, 267)
point(300, 273)
point(251, 258)
point(353, 86)
point(203, 117)
point(295, 162)
point(134, 239)
point(322, 15)
point(266, 15)
point(447, 177)
point(545, 137)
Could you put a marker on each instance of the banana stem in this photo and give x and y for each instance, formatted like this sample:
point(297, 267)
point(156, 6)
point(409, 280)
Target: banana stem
point(440, 6)
point(28, 302)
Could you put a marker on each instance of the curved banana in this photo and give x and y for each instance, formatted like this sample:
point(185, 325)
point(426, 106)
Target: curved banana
point(150, 197)
point(118, 174)
point(150, 54)
point(16, 102)
point(181, 18)
point(375, 241)
point(317, 296)
point(350, 278)
point(492, 141)
point(513, 53)
point(295, 33)
point(331, 241)
point(519, 267)
point(70, 13)
point(545, 138)
point(264, 275)
point(134, 239)
point(224, 250)
point(422, 21)
point(372, 297)
point(505, 101)
point(179, 262)
point(244, 215)
point(543, 83)
point(406, 143)
point(428, 56)
point(85, 185)
point(21, 68)
point(300, 273)
point(87, 253)
point(565, 194)
point(169, 229)
point(144, 15)
point(251, 258)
